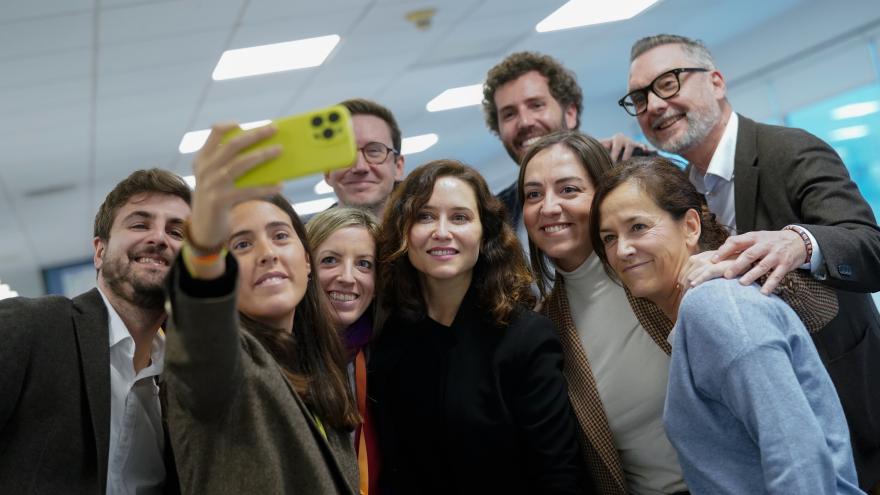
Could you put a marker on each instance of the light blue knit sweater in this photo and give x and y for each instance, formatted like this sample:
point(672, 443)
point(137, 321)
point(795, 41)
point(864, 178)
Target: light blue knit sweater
point(750, 408)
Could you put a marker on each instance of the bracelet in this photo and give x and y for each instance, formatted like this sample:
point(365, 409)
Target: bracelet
point(193, 262)
point(806, 238)
point(196, 248)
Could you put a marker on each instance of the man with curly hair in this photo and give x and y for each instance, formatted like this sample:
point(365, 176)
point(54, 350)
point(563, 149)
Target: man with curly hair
point(528, 95)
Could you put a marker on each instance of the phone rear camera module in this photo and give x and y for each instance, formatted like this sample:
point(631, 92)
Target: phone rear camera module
point(328, 133)
point(317, 120)
point(333, 117)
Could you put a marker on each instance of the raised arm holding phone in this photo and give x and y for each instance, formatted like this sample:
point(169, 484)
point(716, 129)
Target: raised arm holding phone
point(255, 373)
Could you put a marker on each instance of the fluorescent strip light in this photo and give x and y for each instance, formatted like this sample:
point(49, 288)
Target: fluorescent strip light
point(417, 144)
point(855, 110)
point(323, 188)
point(463, 96)
point(577, 13)
point(854, 132)
point(314, 206)
point(277, 57)
point(6, 292)
point(193, 141)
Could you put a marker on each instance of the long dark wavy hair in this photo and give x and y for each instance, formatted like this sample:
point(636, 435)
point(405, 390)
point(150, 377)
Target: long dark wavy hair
point(593, 157)
point(501, 278)
point(311, 356)
point(669, 188)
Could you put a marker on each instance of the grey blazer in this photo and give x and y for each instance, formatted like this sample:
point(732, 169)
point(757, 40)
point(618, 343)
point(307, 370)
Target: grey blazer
point(54, 395)
point(236, 424)
point(787, 176)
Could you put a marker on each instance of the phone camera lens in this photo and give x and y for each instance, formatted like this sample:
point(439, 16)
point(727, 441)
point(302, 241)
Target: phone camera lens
point(317, 120)
point(333, 117)
point(328, 133)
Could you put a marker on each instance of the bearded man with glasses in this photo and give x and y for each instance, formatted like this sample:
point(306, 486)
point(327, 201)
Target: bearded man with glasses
point(378, 167)
point(790, 198)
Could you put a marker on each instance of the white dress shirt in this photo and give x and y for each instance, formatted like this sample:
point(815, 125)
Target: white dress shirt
point(135, 462)
point(717, 185)
point(631, 373)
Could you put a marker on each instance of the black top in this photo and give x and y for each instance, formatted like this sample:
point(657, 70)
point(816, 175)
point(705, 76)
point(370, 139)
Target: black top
point(473, 408)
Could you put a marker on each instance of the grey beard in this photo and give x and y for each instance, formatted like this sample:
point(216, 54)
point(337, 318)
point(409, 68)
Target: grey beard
point(700, 124)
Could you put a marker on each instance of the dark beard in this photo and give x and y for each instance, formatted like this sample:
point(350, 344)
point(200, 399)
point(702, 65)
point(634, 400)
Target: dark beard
point(147, 296)
point(512, 153)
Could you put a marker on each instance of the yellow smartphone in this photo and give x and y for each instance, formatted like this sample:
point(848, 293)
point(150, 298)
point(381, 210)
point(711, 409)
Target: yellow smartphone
point(311, 142)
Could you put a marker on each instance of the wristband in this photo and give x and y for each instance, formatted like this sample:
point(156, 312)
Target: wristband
point(194, 262)
point(806, 238)
point(196, 249)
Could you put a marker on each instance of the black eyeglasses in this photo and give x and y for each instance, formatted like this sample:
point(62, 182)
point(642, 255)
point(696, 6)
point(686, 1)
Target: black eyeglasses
point(665, 86)
point(376, 153)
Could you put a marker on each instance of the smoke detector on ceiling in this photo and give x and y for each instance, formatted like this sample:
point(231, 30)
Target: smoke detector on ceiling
point(421, 18)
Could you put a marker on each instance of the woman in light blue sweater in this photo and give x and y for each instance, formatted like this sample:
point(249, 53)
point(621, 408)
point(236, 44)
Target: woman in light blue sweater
point(749, 406)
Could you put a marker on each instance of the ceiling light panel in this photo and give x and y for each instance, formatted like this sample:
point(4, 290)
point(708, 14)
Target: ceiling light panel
point(276, 57)
point(578, 13)
point(417, 144)
point(854, 110)
point(463, 96)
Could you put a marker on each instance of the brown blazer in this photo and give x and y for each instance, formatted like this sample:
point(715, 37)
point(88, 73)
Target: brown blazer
point(235, 421)
point(597, 442)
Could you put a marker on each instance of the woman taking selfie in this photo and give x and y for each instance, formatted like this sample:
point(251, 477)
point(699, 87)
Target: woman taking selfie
point(465, 381)
point(750, 407)
point(257, 397)
point(344, 243)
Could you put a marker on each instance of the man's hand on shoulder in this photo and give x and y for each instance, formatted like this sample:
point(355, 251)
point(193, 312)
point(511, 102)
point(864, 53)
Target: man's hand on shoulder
point(622, 148)
point(777, 252)
point(699, 268)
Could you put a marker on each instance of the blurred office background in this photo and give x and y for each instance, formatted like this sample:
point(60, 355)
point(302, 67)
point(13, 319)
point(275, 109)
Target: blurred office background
point(91, 90)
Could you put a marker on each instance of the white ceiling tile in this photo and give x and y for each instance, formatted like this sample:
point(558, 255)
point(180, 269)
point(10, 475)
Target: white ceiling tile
point(165, 54)
point(38, 69)
point(45, 34)
point(247, 107)
point(156, 20)
point(45, 98)
point(327, 89)
point(259, 11)
point(19, 11)
point(283, 29)
point(173, 80)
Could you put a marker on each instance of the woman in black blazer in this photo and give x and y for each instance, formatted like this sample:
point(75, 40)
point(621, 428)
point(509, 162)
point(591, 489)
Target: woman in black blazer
point(466, 383)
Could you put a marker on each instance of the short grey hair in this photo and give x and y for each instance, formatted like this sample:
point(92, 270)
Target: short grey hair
point(696, 49)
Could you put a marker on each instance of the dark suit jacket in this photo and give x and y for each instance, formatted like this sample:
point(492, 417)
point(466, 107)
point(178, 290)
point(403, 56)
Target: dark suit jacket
point(473, 408)
point(787, 176)
point(54, 395)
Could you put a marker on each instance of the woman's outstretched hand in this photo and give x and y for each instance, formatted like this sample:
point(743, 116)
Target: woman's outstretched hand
point(216, 167)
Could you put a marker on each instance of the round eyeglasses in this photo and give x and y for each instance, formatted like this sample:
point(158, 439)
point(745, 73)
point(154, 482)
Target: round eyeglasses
point(376, 153)
point(665, 86)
